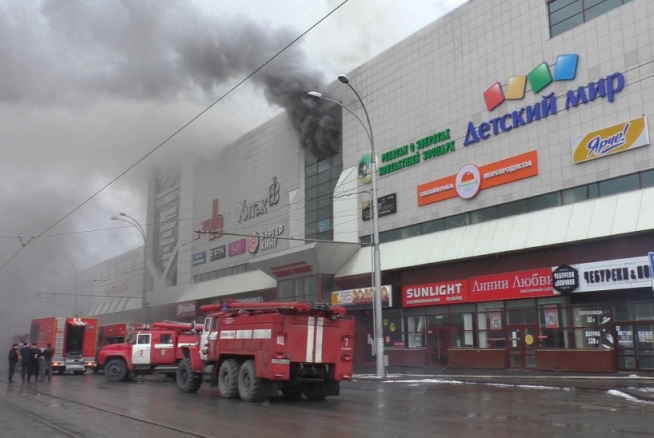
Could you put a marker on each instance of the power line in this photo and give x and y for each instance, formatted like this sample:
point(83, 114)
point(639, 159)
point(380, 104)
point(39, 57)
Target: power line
point(174, 134)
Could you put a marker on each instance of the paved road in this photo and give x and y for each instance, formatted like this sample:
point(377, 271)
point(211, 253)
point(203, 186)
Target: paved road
point(413, 406)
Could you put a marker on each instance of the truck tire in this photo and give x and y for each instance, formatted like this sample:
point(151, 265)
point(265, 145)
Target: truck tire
point(228, 378)
point(315, 391)
point(187, 380)
point(116, 370)
point(249, 385)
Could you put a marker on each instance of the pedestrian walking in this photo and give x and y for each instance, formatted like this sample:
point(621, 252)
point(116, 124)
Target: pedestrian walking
point(13, 360)
point(35, 356)
point(25, 362)
point(47, 362)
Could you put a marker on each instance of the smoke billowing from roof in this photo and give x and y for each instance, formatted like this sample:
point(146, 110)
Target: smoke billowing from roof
point(149, 50)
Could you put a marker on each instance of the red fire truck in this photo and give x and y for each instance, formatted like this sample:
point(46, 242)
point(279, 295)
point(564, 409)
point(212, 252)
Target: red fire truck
point(117, 333)
point(74, 340)
point(154, 350)
point(256, 350)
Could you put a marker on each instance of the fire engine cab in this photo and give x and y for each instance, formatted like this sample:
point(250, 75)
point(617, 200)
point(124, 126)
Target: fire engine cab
point(154, 350)
point(256, 350)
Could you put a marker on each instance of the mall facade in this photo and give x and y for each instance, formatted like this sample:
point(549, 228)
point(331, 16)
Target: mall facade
point(515, 188)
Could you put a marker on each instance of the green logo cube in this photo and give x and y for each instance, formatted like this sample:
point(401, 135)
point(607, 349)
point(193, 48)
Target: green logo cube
point(540, 77)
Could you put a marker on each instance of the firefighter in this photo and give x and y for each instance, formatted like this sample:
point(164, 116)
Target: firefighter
point(25, 362)
point(13, 359)
point(35, 356)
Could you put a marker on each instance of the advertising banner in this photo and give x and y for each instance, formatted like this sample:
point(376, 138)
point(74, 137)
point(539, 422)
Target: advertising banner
point(362, 296)
point(612, 140)
point(512, 285)
point(433, 294)
point(614, 274)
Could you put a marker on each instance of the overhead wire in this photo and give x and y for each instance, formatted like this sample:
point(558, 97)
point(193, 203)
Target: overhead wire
point(175, 133)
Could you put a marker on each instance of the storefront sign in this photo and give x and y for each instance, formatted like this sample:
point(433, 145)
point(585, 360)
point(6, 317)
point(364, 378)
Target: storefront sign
point(614, 274)
point(608, 141)
point(237, 247)
point(365, 169)
point(565, 279)
point(539, 78)
point(433, 294)
point(385, 205)
point(472, 179)
point(362, 296)
point(259, 208)
point(511, 286)
point(410, 154)
point(187, 309)
point(217, 253)
point(199, 258)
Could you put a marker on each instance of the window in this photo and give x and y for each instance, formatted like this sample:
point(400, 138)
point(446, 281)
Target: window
point(483, 215)
point(567, 14)
point(546, 201)
point(618, 185)
point(512, 208)
point(456, 221)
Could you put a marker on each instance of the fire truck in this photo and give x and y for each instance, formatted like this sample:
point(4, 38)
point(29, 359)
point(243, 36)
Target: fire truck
point(117, 333)
point(73, 339)
point(257, 350)
point(154, 350)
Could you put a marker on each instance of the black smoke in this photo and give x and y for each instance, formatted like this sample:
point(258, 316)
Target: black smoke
point(146, 50)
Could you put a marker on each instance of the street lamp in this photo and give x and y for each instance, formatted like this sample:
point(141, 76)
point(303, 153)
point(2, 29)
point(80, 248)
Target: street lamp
point(377, 298)
point(136, 224)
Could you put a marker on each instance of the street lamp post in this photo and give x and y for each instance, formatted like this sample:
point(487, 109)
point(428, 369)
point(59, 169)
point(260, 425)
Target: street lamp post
point(136, 224)
point(377, 298)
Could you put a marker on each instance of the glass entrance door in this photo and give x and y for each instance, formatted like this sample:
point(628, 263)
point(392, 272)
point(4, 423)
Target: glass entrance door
point(635, 346)
point(438, 341)
point(521, 346)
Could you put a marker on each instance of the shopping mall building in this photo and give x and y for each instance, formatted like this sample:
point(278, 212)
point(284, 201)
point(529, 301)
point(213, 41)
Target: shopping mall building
point(515, 187)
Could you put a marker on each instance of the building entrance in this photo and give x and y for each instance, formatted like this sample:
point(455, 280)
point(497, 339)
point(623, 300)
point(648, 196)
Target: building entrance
point(438, 342)
point(521, 346)
point(635, 346)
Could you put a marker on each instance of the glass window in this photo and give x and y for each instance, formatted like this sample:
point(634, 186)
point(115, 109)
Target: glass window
point(323, 165)
point(600, 9)
point(410, 231)
point(437, 225)
point(311, 181)
point(325, 213)
point(576, 194)
point(512, 208)
point(323, 178)
point(647, 179)
point(389, 236)
point(312, 193)
point(567, 14)
point(483, 215)
point(456, 221)
point(562, 14)
point(618, 185)
point(311, 170)
point(545, 201)
point(366, 240)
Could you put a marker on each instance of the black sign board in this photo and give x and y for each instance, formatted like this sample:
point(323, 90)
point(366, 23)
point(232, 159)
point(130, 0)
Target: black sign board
point(565, 279)
point(385, 205)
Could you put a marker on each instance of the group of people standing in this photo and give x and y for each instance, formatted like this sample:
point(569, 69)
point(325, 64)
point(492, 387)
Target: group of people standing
point(34, 362)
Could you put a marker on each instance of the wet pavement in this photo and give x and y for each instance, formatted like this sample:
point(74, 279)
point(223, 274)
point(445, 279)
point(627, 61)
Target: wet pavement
point(639, 385)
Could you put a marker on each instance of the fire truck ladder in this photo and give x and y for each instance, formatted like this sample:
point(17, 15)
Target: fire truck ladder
point(59, 338)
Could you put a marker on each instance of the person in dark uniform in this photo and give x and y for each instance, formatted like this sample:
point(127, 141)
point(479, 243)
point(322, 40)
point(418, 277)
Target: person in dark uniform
point(47, 362)
point(35, 356)
point(13, 360)
point(25, 361)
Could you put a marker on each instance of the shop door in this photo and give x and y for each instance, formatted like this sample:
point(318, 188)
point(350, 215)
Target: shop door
point(635, 346)
point(521, 342)
point(438, 341)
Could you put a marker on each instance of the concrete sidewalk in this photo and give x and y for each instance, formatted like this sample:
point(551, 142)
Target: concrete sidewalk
point(639, 385)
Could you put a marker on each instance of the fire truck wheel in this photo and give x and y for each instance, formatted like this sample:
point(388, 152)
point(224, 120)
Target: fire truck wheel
point(228, 378)
point(315, 391)
point(116, 370)
point(249, 385)
point(187, 380)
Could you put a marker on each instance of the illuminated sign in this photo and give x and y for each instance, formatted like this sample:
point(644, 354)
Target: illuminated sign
point(237, 247)
point(217, 253)
point(511, 285)
point(385, 205)
point(470, 179)
point(608, 141)
point(433, 294)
